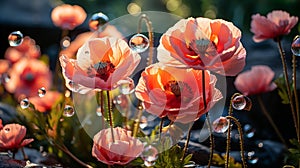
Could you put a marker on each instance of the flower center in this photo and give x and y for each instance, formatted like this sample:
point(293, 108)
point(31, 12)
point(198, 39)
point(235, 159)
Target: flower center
point(204, 47)
point(283, 23)
point(179, 88)
point(101, 70)
point(29, 77)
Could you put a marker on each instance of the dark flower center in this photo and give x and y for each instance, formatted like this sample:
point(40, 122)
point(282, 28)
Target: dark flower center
point(101, 70)
point(179, 88)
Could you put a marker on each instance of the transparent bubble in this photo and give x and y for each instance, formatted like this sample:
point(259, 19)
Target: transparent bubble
point(99, 111)
point(252, 159)
point(143, 122)
point(190, 164)
point(221, 125)
point(249, 131)
point(5, 78)
point(15, 38)
point(149, 155)
point(7, 130)
point(42, 92)
point(118, 99)
point(68, 111)
point(139, 43)
point(24, 103)
point(239, 102)
point(97, 21)
point(296, 46)
point(65, 42)
point(127, 88)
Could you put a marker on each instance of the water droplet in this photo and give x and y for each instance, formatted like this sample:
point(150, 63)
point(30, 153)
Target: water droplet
point(65, 42)
point(4, 78)
point(190, 164)
point(118, 99)
point(252, 159)
point(6, 130)
point(73, 86)
point(249, 131)
point(24, 103)
point(98, 21)
point(260, 145)
point(99, 111)
point(220, 125)
point(127, 88)
point(42, 92)
point(149, 155)
point(68, 111)
point(143, 122)
point(296, 46)
point(15, 38)
point(241, 102)
point(139, 43)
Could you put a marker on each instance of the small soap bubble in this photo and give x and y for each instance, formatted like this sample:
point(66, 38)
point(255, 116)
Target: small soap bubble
point(15, 38)
point(139, 43)
point(68, 111)
point(42, 92)
point(65, 42)
point(241, 102)
point(98, 21)
point(149, 155)
point(126, 88)
point(249, 131)
point(220, 125)
point(24, 103)
point(296, 46)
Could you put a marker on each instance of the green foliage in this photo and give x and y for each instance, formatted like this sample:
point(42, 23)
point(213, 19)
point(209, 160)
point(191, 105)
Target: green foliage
point(220, 161)
point(282, 92)
point(294, 153)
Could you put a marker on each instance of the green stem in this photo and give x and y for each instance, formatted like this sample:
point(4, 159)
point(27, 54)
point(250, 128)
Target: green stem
point(294, 80)
point(161, 127)
point(266, 113)
point(150, 34)
point(284, 66)
point(241, 138)
point(109, 103)
point(211, 139)
point(137, 120)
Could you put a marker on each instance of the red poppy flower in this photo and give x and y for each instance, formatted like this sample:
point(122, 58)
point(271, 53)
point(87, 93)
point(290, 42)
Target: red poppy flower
point(101, 64)
point(68, 16)
point(121, 152)
point(27, 76)
point(276, 24)
point(255, 81)
point(205, 44)
point(177, 93)
point(12, 136)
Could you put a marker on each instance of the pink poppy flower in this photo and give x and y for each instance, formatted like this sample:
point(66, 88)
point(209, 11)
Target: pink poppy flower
point(45, 103)
point(4, 65)
point(102, 63)
point(68, 16)
point(276, 24)
point(27, 49)
point(255, 81)
point(12, 136)
point(205, 44)
point(109, 31)
point(121, 152)
point(177, 93)
point(27, 76)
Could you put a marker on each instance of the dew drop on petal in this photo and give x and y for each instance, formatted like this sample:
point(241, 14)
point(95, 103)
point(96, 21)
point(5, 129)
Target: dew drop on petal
point(139, 43)
point(42, 92)
point(143, 122)
point(68, 111)
point(98, 21)
point(241, 102)
point(149, 155)
point(220, 125)
point(6, 130)
point(296, 46)
point(249, 131)
point(99, 111)
point(15, 38)
point(24, 103)
point(126, 88)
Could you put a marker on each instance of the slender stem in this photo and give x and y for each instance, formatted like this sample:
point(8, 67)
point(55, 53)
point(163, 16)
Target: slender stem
point(102, 108)
point(109, 103)
point(161, 124)
point(283, 60)
point(294, 80)
point(211, 139)
point(24, 154)
point(203, 89)
point(230, 110)
point(186, 143)
point(241, 138)
point(150, 34)
point(137, 121)
point(65, 149)
point(266, 113)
